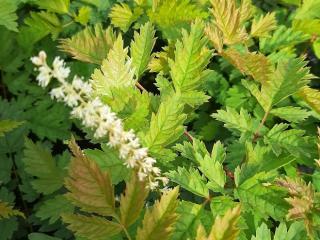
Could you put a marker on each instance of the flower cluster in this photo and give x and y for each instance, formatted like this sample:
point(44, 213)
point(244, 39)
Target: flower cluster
point(98, 117)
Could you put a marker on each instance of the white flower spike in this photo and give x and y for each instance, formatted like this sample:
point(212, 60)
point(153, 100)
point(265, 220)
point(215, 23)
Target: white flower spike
point(96, 115)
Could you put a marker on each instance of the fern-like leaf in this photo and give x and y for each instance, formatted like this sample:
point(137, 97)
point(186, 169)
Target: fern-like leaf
point(91, 228)
point(89, 187)
point(40, 164)
point(225, 228)
point(116, 70)
point(132, 201)
point(311, 97)
point(290, 76)
point(158, 222)
point(166, 126)
point(141, 48)
point(228, 21)
point(253, 64)
point(191, 58)
point(263, 26)
point(90, 45)
point(171, 16)
point(122, 16)
point(281, 38)
point(190, 180)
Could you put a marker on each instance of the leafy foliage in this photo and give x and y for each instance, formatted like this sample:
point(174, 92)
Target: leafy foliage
point(221, 95)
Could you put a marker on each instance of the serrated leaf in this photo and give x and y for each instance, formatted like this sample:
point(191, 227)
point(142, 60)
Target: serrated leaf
point(201, 233)
point(38, 26)
point(133, 200)
point(52, 209)
point(141, 48)
point(89, 187)
point(83, 15)
point(290, 76)
point(279, 137)
point(309, 9)
point(264, 202)
point(241, 122)
point(158, 222)
point(108, 160)
point(6, 211)
point(8, 125)
point(172, 16)
point(90, 45)
point(291, 114)
point(191, 58)
point(8, 16)
point(262, 232)
point(224, 228)
point(190, 180)
point(194, 98)
point(192, 150)
point(189, 217)
point(281, 233)
point(91, 228)
point(122, 16)
point(166, 126)
point(311, 97)
point(212, 168)
point(116, 70)
point(40, 164)
point(253, 64)
point(57, 6)
point(228, 21)
point(281, 38)
point(263, 26)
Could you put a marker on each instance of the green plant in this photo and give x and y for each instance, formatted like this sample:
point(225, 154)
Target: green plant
point(197, 119)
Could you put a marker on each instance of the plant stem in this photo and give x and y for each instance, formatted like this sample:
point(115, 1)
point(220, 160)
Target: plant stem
point(141, 87)
point(123, 227)
point(256, 135)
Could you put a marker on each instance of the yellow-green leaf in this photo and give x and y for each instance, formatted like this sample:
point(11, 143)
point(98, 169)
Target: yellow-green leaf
point(225, 228)
point(92, 227)
point(132, 201)
point(158, 222)
point(263, 26)
point(141, 48)
point(6, 211)
point(90, 45)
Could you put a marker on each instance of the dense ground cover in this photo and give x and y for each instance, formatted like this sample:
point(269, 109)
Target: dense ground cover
point(159, 119)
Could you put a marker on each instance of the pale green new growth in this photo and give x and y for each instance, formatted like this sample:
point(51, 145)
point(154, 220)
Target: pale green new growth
point(90, 45)
point(141, 48)
point(158, 222)
point(122, 16)
point(166, 125)
point(190, 180)
point(191, 58)
point(116, 70)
